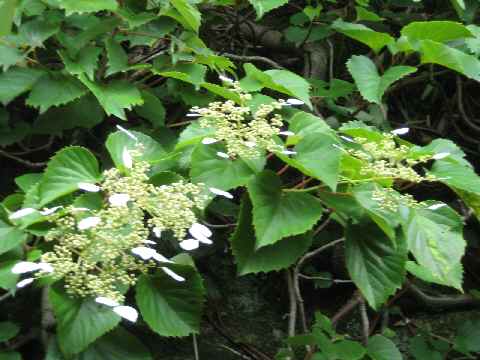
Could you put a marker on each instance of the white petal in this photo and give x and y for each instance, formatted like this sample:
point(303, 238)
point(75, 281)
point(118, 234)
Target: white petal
point(88, 222)
point(25, 267)
point(127, 158)
point(208, 141)
point(205, 240)
point(128, 133)
point(144, 252)
point(193, 115)
point(25, 282)
point(173, 275)
point(223, 155)
point(338, 147)
point(21, 213)
point(150, 242)
point(157, 231)
point(401, 131)
point(200, 229)
point(119, 199)
point(88, 187)
point(289, 152)
point(347, 138)
point(295, 102)
point(226, 79)
point(46, 211)
point(189, 244)
point(161, 258)
point(441, 155)
point(250, 144)
point(436, 206)
point(106, 301)
point(126, 312)
point(286, 133)
point(221, 193)
point(45, 267)
point(80, 209)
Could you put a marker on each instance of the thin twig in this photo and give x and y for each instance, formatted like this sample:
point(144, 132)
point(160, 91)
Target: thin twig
point(48, 319)
point(461, 108)
point(256, 58)
point(292, 316)
point(365, 322)
point(195, 347)
point(349, 306)
point(22, 161)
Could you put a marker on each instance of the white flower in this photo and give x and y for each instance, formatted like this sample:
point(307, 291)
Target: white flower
point(46, 211)
point(189, 244)
point(199, 230)
point(346, 138)
point(106, 301)
point(289, 152)
point(440, 155)
point(223, 155)
point(286, 133)
point(128, 133)
point(401, 131)
point(208, 141)
point(172, 274)
point(88, 187)
point(436, 206)
point(126, 312)
point(21, 213)
point(45, 267)
point(119, 199)
point(144, 252)
point(295, 102)
point(193, 115)
point(250, 144)
point(161, 258)
point(127, 158)
point(88, 222)
point(150, 242)
point(25, 282)
point(157, 232)
point(25, 267)
point(221, 193)
point(226, 79)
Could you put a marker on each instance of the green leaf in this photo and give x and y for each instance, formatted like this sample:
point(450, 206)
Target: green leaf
point(8, 330)
point(422, 350)
point(435, 238)
point(263, 6)
point(373, 39)
point(278, 214)
point(7, 11)
point(221, 91)
point(436, 53)
point(375, 264)
point(152, 109)
point(381, 348)
point(349, 350)
point(9, 56)
point(35, 32)
point(54, 89)
point(214, 171)
point(10, 237)
point(8, 280)
point(117, 57)
point(367, 15)
point(16, 81)
point(10, 355)
point(191, 73)
point(87, 6)
point(65, 170)
point(274, 257)
point(371, 85)
point(439, 31)
point(189, 13)
point(85, 62)
point(80, 321)
point(303, 124)
point(152, 151)
point(116, 96)
point(169, 307)
point(468, 335)
point(456, 175)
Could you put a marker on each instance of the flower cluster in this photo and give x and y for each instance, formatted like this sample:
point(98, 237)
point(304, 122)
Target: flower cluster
point(244, 132)
point(389, 199)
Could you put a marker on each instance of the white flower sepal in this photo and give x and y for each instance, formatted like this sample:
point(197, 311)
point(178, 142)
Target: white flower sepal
point(119, 199)
point(25, 267)
point(221, 193)
point(436, 206)
point(250, 144)
point(106, 301)
point(223, 155)
point(149, 242)
point(157, 232)
point(127, 132)
point(286, 133)
point(88, 187)
point(294, 102)
point(173, 275)
point(199, 231)
point(440, 155)
point(189, 244)
point(209, 140)
point(400, 131)
point(193, 115)
point(45, 267)
point(144, 252)
point(161, 258)
point(21, 213)
point(126, 312)
point(127, 158)
point(289, 152)
point(347, 138)
point(88, 222)
point(47, 211)
point(25, 282)
point(226, 79)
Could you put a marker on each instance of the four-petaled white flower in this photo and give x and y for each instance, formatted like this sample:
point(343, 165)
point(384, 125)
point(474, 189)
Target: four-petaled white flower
point(127, 132)
point(221, 193)
point(88, 187)
point(401, 131)
point(223, 155)
point(440, 155)
point(25, 282)
point(209, 140)
point(88, 222)
point(119, 199)
point(106, 301)
point(127, 158)
point(126, 312)
point(21, 213)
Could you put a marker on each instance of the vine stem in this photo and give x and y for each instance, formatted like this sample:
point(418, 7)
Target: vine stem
point(195, 347)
